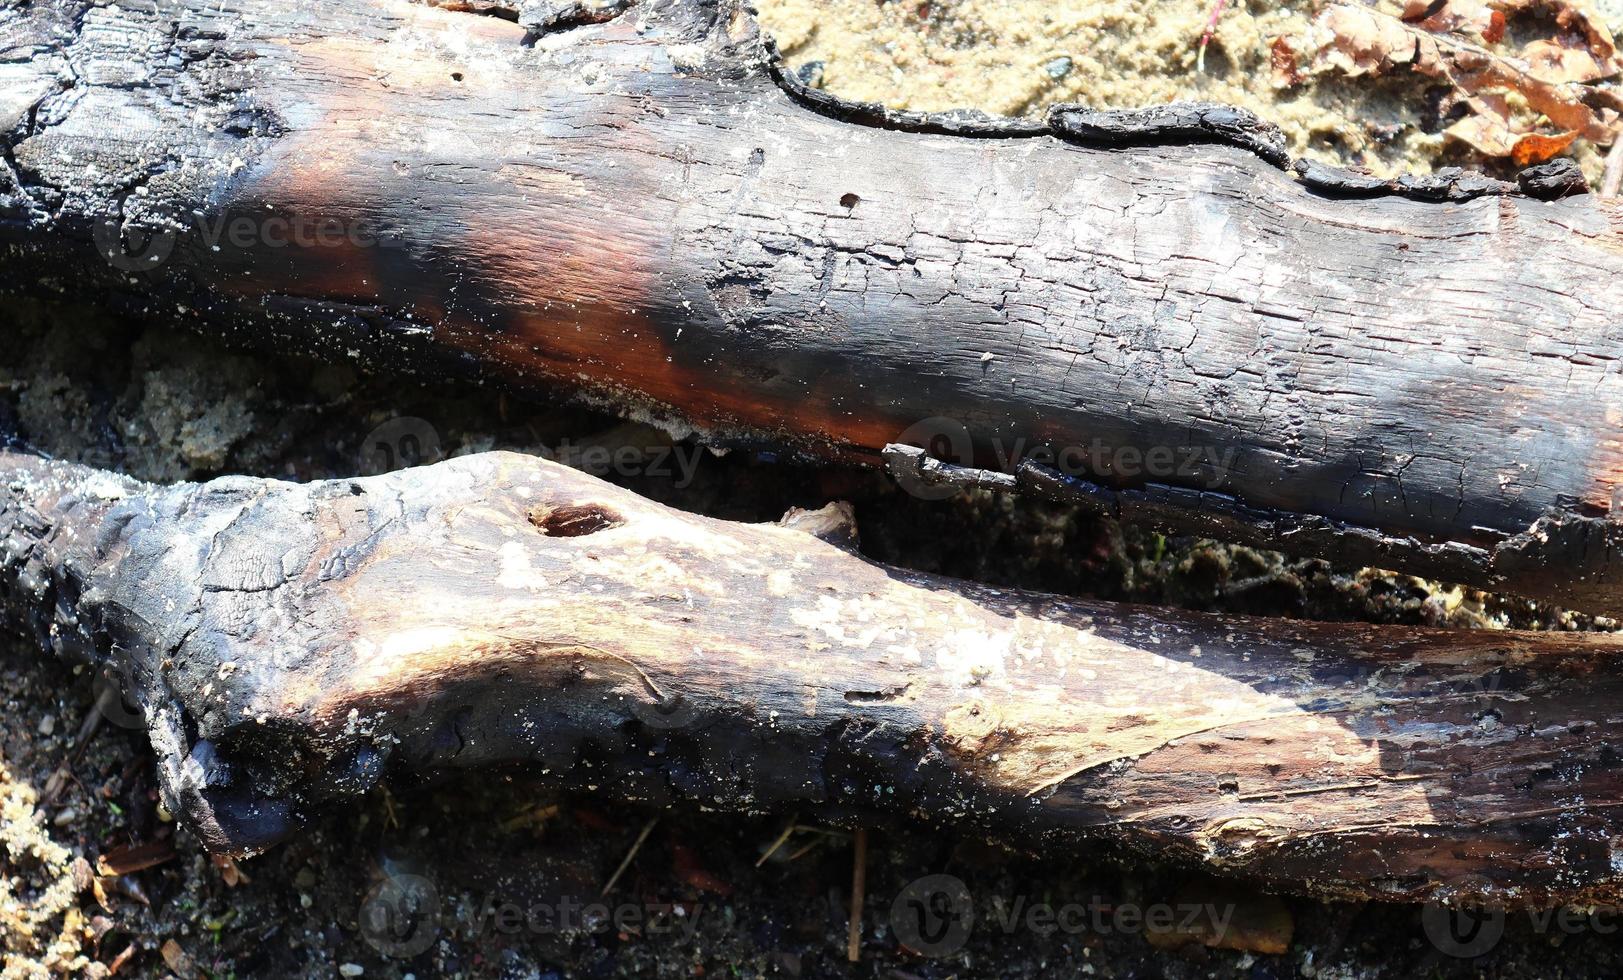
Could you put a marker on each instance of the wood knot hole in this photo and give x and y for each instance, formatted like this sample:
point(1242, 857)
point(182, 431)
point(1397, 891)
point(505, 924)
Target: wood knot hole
point(574, 521)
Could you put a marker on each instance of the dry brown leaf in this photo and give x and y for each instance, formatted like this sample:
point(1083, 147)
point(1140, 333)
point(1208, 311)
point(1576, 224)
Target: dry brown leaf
point(229, 871)
point(1581, 24)
point(1491, 135)
point(129, 858)
point(1551, 61)
point(1471, 18)
point(1358, 41)
point(1450, 43)
point(176, 959)
point(1563, 104)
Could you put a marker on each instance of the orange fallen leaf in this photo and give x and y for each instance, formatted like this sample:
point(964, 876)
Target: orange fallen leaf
point(1534, 148)
point(129, 858)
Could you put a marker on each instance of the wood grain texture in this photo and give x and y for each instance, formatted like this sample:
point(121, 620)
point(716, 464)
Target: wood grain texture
point(293, 645)
point(638, 211)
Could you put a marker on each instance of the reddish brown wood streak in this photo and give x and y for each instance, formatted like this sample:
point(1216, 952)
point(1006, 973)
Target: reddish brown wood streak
point(635, 209)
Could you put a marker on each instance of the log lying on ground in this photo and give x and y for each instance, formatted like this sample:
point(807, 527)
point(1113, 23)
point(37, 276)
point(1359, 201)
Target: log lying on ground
point(627, 201)
point(292, 645)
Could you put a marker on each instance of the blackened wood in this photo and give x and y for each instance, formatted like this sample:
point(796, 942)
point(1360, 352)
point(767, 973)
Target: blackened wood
point(625, 201)
point(293, 645)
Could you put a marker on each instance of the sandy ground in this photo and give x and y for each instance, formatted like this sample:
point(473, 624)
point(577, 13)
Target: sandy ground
point(1018, 57)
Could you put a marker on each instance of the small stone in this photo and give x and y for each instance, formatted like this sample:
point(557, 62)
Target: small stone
point(65, 816)
point(351, 969)
point(47, 725)
point(810, 74)
point(1058, 68)
point(83, 877)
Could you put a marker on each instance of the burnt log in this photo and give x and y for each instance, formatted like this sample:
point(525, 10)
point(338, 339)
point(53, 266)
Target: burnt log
point(291, 646)
point(632, 202)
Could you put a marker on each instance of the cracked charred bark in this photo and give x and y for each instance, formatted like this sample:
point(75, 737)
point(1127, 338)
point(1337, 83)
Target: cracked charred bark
point(625, 201)
point(292, 645)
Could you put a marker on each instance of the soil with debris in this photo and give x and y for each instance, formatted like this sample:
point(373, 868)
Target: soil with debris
point(1339, 96)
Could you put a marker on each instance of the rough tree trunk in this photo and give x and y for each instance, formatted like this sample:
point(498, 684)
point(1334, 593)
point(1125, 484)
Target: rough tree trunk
point(629, 203)
point(291, 645)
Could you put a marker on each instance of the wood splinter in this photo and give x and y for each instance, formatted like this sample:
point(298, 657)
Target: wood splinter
point(293, 646)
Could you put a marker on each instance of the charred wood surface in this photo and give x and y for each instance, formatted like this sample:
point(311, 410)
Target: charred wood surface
point(291, 646)
point(628, 202)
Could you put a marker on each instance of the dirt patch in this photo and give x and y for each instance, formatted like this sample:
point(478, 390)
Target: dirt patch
point(1018, 57)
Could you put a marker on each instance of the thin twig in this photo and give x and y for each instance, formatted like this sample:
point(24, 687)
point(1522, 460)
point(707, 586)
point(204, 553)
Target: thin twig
point(1612, 178)
point(1206, 35)
point(636, 846)
point(783, 838)
point(859, 884)
point(814, 845)
point(87, 728)
point(806, 828)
